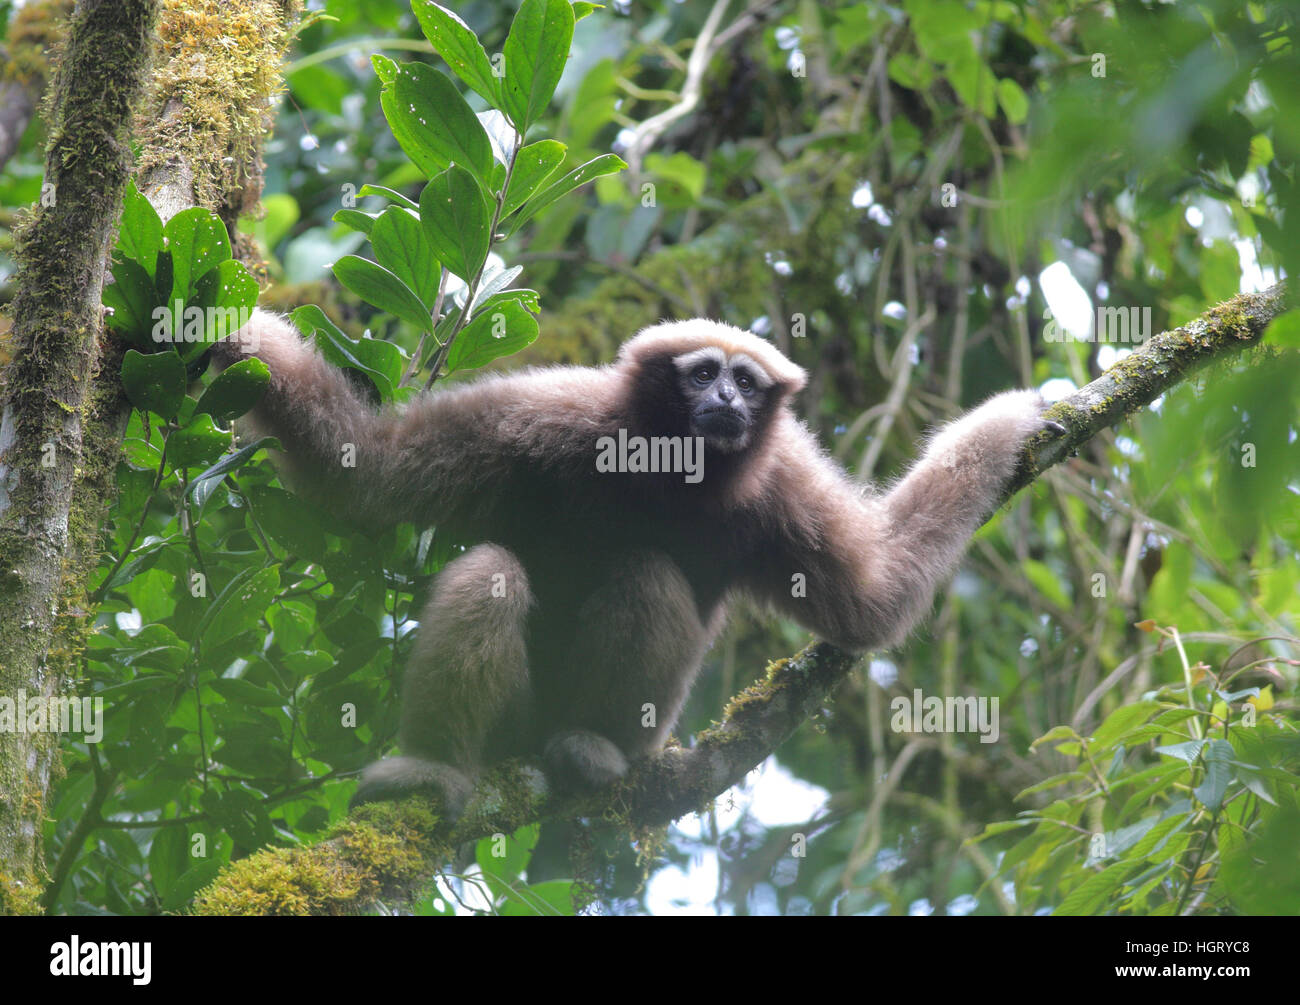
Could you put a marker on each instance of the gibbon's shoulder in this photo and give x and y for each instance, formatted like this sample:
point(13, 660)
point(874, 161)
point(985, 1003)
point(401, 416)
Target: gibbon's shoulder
point(675, 338)
point(544, 411)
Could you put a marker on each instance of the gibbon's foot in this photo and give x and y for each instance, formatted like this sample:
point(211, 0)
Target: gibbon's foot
point(398, 777)
point(579, 761)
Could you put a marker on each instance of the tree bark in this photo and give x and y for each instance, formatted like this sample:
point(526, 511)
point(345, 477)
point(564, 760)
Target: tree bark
point(45, 552)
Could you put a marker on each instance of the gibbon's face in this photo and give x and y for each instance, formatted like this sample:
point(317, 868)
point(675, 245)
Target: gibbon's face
point(725, 393)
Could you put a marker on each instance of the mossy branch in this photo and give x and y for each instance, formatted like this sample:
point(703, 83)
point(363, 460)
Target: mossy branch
point(753, 725)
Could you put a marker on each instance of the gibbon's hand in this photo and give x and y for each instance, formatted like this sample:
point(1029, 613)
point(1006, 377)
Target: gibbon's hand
point(982, 448)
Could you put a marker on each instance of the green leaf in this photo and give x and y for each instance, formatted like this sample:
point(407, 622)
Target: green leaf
point(290, 521)
point(433, 123)
point(355, 219)
point(1011, 97)
point(1218, 773)
point(1122, 721)
point(403, 249)
point(1092, 894)
point(155, 382)
point(491, 283)
point(549, 899)
point(202, 487)
point(456, 221)
point(226, 295)
point(581, 9)
point(458, 45)
point(385, 69)
point(505, 329)
point(381, 361)
point(536, 50)
point(243, 692)
point(1185, 752)
point(200, 442)
point(534, 165)
point(235, 391)
point(240, 605)
point(1283, 330)
point(198, 242)
point(133, 298)
point(140, 235)
point(389, 193)
point(1046, 582)
point(602, 165)
point(376, 285)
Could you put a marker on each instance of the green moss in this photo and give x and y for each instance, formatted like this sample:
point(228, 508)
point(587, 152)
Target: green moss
point(212, 95)
point(19, 895)
point(382, 850)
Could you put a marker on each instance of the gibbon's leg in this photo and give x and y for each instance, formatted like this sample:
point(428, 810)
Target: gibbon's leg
point(639, 647)
point(466, 682)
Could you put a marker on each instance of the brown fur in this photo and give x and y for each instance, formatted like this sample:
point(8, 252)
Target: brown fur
point(609, 587)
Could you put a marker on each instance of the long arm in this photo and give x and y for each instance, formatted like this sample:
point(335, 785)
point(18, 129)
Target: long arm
point(861, 569)
point(444, 454)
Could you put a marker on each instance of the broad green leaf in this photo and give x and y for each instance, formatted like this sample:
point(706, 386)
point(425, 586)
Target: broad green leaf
point(1185, 752)
point(1122, 721)
point(493, 281)
point(139, 236)
point(548, 899)
point(235, 391)
point(226, 295)
point(198, 242)
point(356, 219)
point(536, 50)
point(376, 285)
point(433, 123)
point(528, 298)
point(1013, 101)
point(245, 692)
point(380, 360)
point(581, 9)
point(452, 39)
point(533, 166)
point(133, 298)
point(403, 249)
point(290, 521)
point(594, 168)
point(1218, 773)
point(240, 605)
point(501, 331)
point(389, 193)
point(202, 487)
point(456, 221)
point(1093, 893)
point(1283, 330)
point(155, 382)
point(200, 442)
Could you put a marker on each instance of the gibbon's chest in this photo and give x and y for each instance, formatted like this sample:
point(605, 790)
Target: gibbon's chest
point(572, 534)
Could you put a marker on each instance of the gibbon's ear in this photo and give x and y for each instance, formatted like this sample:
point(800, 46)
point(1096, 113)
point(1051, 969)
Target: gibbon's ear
point(675, 338)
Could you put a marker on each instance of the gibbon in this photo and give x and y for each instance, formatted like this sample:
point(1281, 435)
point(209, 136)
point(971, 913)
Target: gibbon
point(614, 512)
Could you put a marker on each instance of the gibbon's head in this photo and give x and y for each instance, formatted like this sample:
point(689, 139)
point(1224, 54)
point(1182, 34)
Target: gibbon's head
point(704, 378)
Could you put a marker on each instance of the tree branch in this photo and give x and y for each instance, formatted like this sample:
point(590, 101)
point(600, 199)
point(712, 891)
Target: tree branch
point(754, 724)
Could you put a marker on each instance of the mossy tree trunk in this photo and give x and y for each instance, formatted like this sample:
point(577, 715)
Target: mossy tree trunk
point(47, 548)
point(199, 118)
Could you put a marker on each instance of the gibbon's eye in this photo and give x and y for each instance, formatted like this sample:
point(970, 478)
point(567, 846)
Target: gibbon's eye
point(703, 374)
point(744, 381)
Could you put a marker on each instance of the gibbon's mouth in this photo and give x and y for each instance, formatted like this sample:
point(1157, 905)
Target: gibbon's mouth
point(721, 423)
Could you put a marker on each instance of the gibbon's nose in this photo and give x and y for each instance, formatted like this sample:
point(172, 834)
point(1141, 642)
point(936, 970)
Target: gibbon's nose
point(726, 389)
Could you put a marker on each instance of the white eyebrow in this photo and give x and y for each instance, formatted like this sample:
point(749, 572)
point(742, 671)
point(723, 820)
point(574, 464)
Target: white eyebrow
point(761, 377)
point(709, 354)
